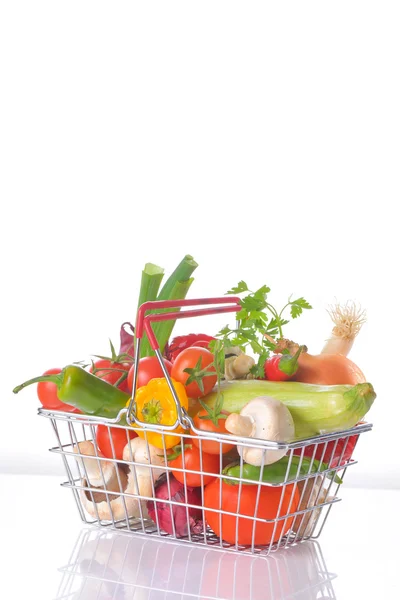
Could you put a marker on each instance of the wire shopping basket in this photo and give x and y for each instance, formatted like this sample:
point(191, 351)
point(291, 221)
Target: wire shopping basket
point(239, 514)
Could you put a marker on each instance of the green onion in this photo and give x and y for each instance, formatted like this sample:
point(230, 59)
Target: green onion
point(151, 280)
point(181, 274)
point(175, 288)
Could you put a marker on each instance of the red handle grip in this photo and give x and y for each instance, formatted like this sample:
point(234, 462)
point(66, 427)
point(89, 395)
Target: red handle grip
point(143, 323)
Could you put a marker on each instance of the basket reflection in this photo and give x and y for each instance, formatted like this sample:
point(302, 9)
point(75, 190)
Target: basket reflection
point(107, 565)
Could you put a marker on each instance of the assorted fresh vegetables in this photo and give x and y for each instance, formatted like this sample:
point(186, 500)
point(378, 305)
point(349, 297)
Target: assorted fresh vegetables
point(247, 382)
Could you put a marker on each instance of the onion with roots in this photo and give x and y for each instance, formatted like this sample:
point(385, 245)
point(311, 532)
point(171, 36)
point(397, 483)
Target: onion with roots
point(348, 320)
point(331, 367)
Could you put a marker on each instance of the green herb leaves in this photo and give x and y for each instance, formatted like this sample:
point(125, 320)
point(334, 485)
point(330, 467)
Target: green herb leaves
point(239, 288)
point(257, 318)
point(297, 306)
point(258, 369)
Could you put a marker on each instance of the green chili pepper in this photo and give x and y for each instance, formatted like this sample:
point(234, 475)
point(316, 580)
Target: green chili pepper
point(276, 472)
point(79, 388)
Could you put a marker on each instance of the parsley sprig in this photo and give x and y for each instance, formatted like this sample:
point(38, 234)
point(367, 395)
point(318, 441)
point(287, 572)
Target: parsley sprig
point(257, 318)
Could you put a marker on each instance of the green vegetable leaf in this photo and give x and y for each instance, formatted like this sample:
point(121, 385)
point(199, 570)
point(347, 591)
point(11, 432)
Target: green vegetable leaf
point(256, 347)
point(239, 288)
point(250, 303)
point(262, 292)
point(258, 369)
point(297, 307)
point(224, 331)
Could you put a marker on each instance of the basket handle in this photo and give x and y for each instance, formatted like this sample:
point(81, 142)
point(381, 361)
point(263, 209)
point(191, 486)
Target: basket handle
point(143, 324)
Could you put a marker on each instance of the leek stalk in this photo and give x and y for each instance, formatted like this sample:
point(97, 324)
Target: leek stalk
point(175, 288)
point(150, 284)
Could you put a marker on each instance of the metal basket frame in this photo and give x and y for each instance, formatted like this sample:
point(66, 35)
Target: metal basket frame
point(311, 494)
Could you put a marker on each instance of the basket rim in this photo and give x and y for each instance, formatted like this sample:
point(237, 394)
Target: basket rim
point(361, 427)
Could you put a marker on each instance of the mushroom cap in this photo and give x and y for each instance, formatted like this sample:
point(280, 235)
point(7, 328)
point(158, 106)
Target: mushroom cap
point(271, 419)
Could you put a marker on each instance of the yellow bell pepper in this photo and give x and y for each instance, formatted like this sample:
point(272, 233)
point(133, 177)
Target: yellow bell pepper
point(155, 404)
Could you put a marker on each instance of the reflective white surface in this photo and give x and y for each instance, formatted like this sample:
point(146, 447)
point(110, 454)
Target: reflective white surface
point(49, 554)
point(105, 564)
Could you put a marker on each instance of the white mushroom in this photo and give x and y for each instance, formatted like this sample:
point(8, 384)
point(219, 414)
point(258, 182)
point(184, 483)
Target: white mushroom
point(314, 495)
point(97, 471)
point(137, 451)
point(135, 482)
point(262, 418)
point(238, 367)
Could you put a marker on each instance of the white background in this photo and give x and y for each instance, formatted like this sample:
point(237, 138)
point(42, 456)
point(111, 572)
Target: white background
point(262, 139)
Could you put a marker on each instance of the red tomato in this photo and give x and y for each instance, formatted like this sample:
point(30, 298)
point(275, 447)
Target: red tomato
point(272, 370)
point(149, 368)
point(209, 427)
point(47, 394)
point(269, 501)
point(200, 361)
point(209, 464)
point(111, 371)
point(119, 440)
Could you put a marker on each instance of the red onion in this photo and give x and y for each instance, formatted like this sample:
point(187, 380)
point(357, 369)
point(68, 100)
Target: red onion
point(127, 338)
point(179, 513)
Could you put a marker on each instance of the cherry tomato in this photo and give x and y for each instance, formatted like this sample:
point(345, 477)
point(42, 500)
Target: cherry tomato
point(208, 464)
point(268, 505)
point(149, 368)
point(272, 371)
point(207, 425)
point(47, 394)
point(119, 440)
point(111, 371)
point(199, 360)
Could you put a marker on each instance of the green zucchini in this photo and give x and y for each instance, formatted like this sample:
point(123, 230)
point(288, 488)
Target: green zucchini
point(316, 409)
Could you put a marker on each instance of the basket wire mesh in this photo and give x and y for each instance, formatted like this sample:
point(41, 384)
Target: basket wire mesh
point(305, 496)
